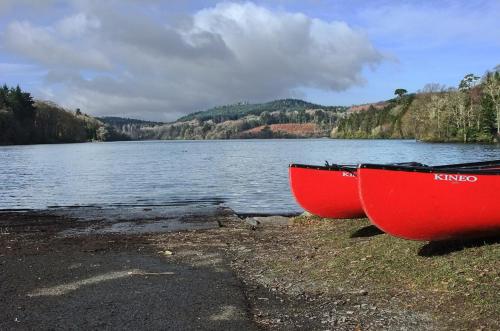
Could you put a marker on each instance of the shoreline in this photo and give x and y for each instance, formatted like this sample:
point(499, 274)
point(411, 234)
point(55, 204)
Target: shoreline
point(250, 273)
point(432, 142)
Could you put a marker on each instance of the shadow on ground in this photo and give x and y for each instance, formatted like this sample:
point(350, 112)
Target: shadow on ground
point(367, 231)
point(445, 247)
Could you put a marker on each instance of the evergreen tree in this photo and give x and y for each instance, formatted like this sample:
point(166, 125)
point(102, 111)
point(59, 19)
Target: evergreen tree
point(21, 103)
point(400, 92)
point(487, 124)
point(4, 95)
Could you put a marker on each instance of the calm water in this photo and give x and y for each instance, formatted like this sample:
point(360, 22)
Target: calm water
point(249, 176)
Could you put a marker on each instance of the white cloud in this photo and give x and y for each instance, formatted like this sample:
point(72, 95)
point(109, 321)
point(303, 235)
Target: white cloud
point(77, 25)
point(43, 45)
point(124, 62)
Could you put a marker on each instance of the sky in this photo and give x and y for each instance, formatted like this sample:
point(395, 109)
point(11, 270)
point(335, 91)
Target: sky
point(159, 60)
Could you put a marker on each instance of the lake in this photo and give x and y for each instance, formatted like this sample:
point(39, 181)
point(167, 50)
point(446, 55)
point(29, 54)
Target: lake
point(249, 176)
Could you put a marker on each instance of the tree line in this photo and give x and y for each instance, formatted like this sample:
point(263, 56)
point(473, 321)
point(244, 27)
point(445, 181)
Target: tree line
point(25, 121)
point(468, 113)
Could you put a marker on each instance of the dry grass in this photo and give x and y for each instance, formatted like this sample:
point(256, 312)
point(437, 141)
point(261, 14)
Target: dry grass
point(455, 281)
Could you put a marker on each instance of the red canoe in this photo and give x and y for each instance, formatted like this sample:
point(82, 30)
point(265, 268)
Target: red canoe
point(332, 191)
point(431, 203)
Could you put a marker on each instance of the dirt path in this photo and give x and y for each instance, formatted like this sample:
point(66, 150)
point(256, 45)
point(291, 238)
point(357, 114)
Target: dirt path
point(111, 282)
point(118, 290)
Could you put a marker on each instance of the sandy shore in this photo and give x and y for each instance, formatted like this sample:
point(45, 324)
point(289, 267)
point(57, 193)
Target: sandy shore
point(218, 271)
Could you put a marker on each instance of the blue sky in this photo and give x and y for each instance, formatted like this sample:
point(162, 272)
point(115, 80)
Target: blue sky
point(159, 60)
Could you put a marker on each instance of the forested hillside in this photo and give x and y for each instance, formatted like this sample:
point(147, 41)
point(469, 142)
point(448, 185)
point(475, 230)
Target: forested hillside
point(242, 109)
point(469, 113)
point(266, 120)
point(24, 121)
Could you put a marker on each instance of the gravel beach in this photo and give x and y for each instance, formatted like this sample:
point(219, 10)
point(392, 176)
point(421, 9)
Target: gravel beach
point(233, 273)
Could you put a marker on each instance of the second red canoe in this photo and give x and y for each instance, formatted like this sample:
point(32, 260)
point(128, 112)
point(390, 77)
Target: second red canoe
point(426, 203)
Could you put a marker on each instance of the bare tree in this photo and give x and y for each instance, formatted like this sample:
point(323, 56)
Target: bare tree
point(492, 88)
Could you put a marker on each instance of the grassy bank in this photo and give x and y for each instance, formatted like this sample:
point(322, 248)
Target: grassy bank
point(457, 283)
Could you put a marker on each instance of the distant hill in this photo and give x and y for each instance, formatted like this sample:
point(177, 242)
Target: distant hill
point(239, 110)
point(286, 118)
point(120, 121)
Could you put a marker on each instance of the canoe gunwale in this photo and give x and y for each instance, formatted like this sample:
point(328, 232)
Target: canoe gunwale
point(458, 168)
point(438, 169)
point(344, 167)
point(332, 167)
point(482, 164)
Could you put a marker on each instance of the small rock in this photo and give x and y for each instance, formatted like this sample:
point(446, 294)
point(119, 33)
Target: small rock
point(272, 220)
point(251, 221)
point(166, 253)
